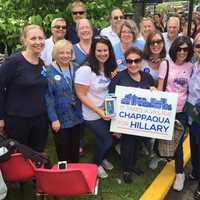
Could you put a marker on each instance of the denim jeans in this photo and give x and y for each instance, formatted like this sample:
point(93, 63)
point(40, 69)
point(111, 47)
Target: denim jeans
point(182, 117)
point(195, 148)
point(101, 129)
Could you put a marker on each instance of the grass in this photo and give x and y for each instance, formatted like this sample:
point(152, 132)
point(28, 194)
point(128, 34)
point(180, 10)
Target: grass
point(112, 188)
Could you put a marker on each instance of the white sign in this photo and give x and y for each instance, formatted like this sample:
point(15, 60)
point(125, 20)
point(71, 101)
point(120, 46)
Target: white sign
point(144, 113)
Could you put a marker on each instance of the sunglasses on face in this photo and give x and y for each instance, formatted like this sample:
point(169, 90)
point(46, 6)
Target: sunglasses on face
point(197, 46)
point(78, 12)
point(133, 61)
point(59, 27)
point(154, 42)
point(100, 37)
point(118, 17)
point(185, 49)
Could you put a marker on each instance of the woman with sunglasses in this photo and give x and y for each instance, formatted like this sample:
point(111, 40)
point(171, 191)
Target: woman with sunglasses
point(180, 69)
point(154, 54)
point(194, 117)
point(91, 84)
point(131, 77)
point(128, 33)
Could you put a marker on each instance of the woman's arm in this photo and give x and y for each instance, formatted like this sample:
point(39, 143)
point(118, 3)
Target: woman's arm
point(160, 84)
point(81, 91)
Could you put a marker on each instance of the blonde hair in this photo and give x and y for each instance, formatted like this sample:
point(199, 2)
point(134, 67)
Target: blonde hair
point(26, 30)
point(61, 44)
point(81, 20)
point(131, 25)
point(53, 23)
point(77, 4)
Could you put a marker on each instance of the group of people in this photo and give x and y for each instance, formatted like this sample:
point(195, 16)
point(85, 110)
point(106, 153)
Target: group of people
point(62, 84)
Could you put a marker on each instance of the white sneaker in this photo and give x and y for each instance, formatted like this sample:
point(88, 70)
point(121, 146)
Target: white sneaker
point(107, 165)
point(101, 172)
point(117, 149)
point(179, 182)
point(154, 162)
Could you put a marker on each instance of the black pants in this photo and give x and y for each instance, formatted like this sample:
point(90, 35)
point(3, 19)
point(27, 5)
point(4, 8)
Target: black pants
point(67, 142)
point(129, 151)
point(32, 131)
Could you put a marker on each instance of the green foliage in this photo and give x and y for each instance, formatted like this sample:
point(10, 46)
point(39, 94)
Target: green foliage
point(15, 14)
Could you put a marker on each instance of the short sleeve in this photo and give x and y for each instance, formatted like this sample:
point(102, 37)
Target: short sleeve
point(162, 69)
point(83, 75)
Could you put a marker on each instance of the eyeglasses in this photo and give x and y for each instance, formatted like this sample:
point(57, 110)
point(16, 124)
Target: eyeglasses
point(154, 42)
point(185, 49)
point(118, 17)
point(131, 61)
point(59, 27)
point(78, 12)
point(197, 46)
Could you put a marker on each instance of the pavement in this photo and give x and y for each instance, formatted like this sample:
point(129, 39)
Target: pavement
point(189, 188)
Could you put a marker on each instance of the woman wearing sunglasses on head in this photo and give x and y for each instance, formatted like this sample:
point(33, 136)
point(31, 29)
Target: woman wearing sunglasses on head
point(180, 69)
point(91, 85)
point(131, 77)
point(194, 117)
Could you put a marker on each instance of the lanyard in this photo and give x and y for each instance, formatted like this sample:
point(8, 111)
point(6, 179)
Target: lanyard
point(70, 80)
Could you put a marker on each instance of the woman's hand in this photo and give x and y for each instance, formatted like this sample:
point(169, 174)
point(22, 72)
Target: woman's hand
point(102, 114)
point(152, 88)
point(56, 126)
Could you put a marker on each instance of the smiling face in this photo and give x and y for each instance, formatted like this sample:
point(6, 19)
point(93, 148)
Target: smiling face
point(156, 44)
point(126, 35)
point(182, 53)
point(147, 27)
point(173, 27)
point(84, 30)
point(34, 41)
point(133, 63)
point(64, 56)
point(101, 52)
point(116, 18)
point(59, 29)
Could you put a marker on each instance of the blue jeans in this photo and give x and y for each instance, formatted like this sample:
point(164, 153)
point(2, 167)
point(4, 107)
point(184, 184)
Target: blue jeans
point(182, 117)
point(101, 129)
point(195, 148)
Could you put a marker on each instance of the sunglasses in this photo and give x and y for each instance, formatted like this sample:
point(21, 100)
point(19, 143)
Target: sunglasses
point(185, 49)
point(118, 17)
point(197, 46)
point(135, 61)
point(100, 37)
point(59, 27)
point(154, 42)
point(78, 12)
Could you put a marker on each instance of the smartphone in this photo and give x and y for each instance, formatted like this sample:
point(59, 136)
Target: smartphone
point(110, 106)
point(62, 164)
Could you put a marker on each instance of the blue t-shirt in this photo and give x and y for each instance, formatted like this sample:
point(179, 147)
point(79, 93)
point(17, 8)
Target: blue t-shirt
point(119, 55)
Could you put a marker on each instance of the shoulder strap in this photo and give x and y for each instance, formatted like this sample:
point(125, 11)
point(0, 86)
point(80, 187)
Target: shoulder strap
point(166, 76)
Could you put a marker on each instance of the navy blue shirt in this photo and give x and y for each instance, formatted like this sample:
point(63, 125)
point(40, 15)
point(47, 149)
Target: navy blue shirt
point(124, 79)
point(22, 87)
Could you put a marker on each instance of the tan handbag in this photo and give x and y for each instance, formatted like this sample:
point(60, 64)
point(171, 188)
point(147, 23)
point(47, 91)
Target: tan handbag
point(167, 148)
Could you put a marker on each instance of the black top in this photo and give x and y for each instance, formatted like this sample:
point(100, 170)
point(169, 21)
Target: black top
point(22, 87)
point(124, 79)
point(72, 36)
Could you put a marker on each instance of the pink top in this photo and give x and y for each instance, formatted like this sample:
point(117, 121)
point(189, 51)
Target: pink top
point(178, 79)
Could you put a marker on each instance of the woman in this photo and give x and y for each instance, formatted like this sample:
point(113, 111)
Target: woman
point(131, 77)
point(154, 54)
point(64, 109)
point(23, 86)
point(127, 33)
point(180, 70)
point(82, 49)
point(91, 85)
point(194, 128)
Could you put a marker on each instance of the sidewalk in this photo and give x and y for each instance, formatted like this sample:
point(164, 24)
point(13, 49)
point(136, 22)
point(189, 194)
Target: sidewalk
point(187, 193)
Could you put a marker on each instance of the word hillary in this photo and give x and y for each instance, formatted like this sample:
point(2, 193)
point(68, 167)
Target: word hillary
point(134, 100)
